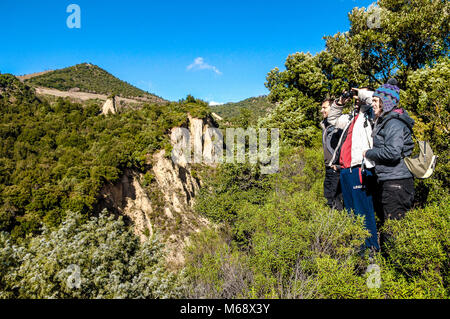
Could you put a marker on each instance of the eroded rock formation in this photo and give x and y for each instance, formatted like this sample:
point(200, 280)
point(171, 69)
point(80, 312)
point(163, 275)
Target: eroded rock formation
point(161, 199)
point(109, 106)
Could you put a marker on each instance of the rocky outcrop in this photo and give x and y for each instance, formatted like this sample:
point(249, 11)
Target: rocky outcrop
point(161, 198)
point(109, 106)
point(129, 198)
point(202, 149)
point(216, 116)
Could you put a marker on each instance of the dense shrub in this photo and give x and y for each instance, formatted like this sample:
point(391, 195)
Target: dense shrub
point(100, 258)
point(229, 187)
point(419, 244)
point(426, 97)
point(214, 269)
point(289, 244)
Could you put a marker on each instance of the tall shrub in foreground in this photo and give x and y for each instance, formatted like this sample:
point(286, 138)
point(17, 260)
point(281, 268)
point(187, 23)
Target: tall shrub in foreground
point(100, 258)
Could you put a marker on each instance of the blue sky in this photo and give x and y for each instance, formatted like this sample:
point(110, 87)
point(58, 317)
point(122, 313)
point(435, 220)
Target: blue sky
point(219, 51)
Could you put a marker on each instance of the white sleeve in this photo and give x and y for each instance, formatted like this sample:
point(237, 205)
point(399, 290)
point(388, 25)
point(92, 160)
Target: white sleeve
point(365, 96)
point(342, 121)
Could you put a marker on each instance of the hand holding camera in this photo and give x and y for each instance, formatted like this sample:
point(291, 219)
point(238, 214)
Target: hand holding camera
point(348, 95)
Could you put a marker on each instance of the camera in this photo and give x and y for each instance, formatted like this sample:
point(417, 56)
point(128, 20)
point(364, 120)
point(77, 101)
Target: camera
point(349, 94)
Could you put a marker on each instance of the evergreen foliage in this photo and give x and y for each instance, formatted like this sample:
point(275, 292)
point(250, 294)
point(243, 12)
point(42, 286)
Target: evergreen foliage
point(98, 258)
point(274, 236)
point(252, 108)
point(289, 244)
point(56, 157)
point(411, 44)
point(87, 78)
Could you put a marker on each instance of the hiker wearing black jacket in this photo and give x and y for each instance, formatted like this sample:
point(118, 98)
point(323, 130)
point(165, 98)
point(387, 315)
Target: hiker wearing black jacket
point(330, 138)
point(392, 142)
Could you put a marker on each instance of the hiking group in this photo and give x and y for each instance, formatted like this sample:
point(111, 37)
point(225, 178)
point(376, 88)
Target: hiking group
point(364, 154)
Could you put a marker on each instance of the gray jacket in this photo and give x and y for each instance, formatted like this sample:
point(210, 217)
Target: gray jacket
point(392, 142)
point(330, 137)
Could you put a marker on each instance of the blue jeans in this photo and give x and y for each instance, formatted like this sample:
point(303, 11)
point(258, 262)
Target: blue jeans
point(358, 197)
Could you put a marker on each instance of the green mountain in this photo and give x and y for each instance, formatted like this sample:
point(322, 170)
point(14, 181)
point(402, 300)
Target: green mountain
point(256, 107)
point(87, 78)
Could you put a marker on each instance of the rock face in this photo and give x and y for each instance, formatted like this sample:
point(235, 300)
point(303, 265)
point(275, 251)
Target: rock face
point(109, 106)
point(161, 199)
point(201, 149)
point(128, 197)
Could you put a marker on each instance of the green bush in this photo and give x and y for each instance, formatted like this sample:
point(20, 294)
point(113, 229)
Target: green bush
point(426, 96)
point(230, 186)
point(289, 244)
point(100, 258)
point(419, 245)
point(278, 235)
point(214, 269)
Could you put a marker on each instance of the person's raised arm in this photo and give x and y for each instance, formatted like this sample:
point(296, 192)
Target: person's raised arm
point(336, 110)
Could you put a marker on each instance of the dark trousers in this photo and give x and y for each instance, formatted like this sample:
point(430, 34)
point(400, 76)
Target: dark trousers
point(332, 189)
point(396, 198)
point(357, 193)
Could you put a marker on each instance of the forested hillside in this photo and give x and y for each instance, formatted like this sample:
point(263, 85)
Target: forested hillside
point(56, 156)
point(253, 108)
point(87, 77)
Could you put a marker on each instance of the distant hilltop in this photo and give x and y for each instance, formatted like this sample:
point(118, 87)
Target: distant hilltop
point(255, 107)
point(88, 78)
